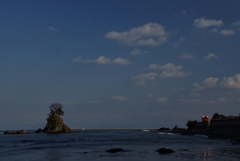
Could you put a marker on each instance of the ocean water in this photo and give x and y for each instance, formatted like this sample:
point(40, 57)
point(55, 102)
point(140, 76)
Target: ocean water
point(91, 145)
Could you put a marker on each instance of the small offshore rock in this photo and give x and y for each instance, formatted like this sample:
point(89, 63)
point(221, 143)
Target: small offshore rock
point(165, 151)
point(115, 150)
point(7, 132)
point(15, 132)
point(39, 130)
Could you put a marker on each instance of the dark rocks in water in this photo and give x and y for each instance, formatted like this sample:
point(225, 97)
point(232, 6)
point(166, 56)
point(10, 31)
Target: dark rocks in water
point(164, 129)
point(115, 150)
point(39, 131)
point(15, 132)
point(175, 127)
point(8, 132)
point(236, 141)
point(165, 151)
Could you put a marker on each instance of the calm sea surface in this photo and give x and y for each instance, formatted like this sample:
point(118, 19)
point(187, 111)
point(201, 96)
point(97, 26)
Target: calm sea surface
point(139, 145)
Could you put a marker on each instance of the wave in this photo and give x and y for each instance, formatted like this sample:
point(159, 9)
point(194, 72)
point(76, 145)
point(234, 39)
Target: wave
point(202, 136)
point(166, 133)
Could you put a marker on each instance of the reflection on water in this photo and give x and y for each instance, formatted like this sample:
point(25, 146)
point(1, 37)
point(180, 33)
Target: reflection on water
point(206, 154)
point(91, 145)
point(54, 155)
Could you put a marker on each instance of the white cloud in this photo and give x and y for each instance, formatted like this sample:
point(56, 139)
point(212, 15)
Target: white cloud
point(120, 61)
point(210, 82)
point(187, 56)
point(236, 23)
point(103, 60)
point(149, 94)
point(162, 99)
point(196, 101)
point(227, 32)
point(222, 99)
point(232, 82)
point(228, 82)
point(195, 94)
point(142, 78)
point(118, 98)
point(52, 28)
point(214, 30)
point(189, 100)
point(68, 103)
point(151, 34)
point(203, 23)
point(179, 42)
point(168, 70)
point(93, 102)
point(207, 83)
point(211, 56)
point(184, 12)
point(136, 52)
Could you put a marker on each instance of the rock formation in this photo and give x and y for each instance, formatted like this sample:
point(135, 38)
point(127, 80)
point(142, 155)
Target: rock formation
point(115, 150)
point(55, 123)
point(15, 132)
point(165, 151)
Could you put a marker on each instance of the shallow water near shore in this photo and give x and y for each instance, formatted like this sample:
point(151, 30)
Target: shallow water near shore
point(138, 145)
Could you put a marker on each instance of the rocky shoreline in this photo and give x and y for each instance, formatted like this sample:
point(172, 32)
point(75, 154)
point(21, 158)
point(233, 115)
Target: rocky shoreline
point(39, 131)
point(233, 136)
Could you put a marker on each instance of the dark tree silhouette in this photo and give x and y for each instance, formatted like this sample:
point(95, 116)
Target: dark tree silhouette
point(215, 116)
point(55, 123)
point(56, 108)
point(191, 124)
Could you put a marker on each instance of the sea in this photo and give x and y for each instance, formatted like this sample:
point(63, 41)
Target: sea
point(92, 145)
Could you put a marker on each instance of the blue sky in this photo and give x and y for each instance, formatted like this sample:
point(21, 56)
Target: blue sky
point(118, 64)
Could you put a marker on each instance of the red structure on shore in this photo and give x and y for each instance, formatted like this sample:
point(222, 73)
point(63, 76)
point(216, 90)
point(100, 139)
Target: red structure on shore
point(205, 119)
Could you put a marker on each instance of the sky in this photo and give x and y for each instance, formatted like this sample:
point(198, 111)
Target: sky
point(118, 64)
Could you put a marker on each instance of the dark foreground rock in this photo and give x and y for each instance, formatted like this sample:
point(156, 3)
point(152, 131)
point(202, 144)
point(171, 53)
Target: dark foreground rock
point(15, 132)
point(236, 141)
point(115, 150)
point(165, 151)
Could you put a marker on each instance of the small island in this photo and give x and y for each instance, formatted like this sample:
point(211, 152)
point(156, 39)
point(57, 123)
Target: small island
point(55, 123)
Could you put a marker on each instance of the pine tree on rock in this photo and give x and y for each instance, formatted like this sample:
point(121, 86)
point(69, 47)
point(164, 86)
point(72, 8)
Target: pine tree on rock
point(55, 123)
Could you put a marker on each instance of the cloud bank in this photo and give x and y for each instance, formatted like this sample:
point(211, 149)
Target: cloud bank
point(227, 32)
point(136, 52)
point(204, 23)
point(103, 60)
point(169, 70)
point(151, 34)
point(232, 82)
point(227, 82)
point(118, 98)
point(211, 56)
point(143, 78)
